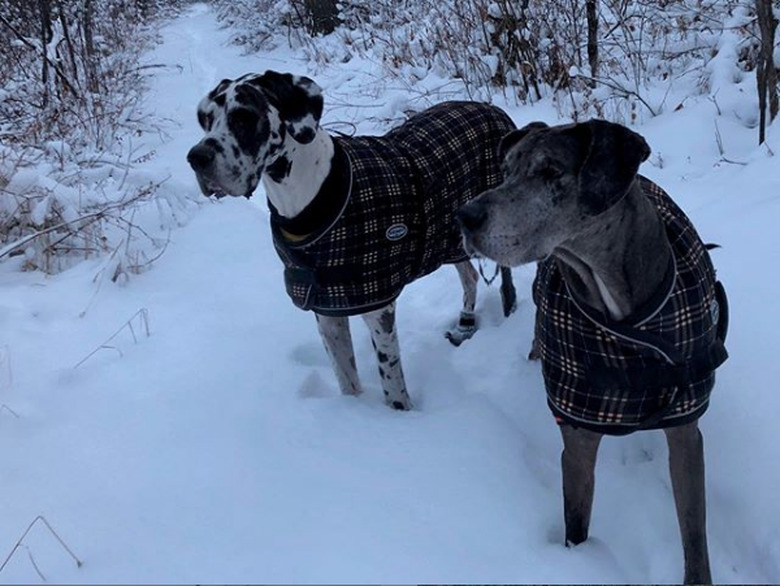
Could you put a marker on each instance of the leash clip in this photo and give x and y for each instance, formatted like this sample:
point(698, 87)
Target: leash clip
point(489, 281)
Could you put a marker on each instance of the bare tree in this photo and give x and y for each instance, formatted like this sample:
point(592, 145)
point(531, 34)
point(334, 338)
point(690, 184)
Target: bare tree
point(46, 35)
point(593, 37)
point(766, 74)
point(323, 16)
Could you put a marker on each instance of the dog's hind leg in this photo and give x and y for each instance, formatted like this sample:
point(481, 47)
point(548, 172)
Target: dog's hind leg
point(578, 463)
point(467, 324)
point(381, 324)
point(686, 464)
point(338, 343)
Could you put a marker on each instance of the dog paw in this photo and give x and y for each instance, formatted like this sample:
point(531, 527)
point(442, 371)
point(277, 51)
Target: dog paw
point(534, 354)
point(466, 328)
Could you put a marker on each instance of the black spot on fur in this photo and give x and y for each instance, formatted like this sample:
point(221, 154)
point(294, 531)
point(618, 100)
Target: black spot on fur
point(393, 363)
point(236, 151)
point(220, 100)
point(279, 169)
point(382, 357)
point(382, 373)
point(398, 405)
point(220, 87)
point(250, 130)
point(304, 136)
point(387, 321)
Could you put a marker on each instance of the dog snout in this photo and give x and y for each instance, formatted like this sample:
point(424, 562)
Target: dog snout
point(201, 157)
point(472, 215)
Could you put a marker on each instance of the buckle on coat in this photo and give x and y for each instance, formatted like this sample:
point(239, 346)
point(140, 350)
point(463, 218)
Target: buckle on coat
point(301, 286)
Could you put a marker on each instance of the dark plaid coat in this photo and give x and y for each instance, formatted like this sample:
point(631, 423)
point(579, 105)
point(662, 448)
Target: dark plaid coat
point(597, 379)
point(395, 198)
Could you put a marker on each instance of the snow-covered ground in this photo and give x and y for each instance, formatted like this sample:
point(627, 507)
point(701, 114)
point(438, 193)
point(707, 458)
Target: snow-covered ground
point(218, 449)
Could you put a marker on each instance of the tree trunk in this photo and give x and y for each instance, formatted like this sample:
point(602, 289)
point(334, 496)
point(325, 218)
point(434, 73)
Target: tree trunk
point(324, 15)
point(766, 74)
point(68, 42)
point(46, 34)
point(90, 56)
point(593, 31)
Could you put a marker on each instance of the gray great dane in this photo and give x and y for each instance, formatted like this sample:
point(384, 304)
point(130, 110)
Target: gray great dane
point(571, 196)
point(265, 127)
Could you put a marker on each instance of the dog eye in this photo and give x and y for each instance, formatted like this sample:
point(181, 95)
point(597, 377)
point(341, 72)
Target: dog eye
point(205, 120)
point(550, 172)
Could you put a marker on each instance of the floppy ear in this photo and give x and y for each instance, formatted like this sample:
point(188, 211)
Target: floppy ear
point(612, 157)
point(516, 136)
point(298, 100)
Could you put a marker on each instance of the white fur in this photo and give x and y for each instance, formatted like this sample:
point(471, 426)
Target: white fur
point(310, 166)
point(608, 299)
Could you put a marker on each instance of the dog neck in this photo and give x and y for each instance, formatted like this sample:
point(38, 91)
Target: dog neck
point(620, 260)
point(295, 176)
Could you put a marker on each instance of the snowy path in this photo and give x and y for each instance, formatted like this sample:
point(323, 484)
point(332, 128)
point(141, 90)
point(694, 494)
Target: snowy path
point(218, 449)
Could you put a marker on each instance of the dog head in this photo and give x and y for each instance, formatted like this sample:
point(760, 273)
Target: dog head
point(557, 182)
point(247, 122)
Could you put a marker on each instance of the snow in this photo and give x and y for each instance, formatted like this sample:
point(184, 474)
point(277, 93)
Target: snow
point(218, 449)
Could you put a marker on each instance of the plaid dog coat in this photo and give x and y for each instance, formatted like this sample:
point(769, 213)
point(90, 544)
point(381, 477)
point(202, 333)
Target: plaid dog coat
point(655, 370)
point(385, 215)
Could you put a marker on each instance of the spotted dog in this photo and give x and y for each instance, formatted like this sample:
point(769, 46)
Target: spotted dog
point(354, 219)
point(631, 321)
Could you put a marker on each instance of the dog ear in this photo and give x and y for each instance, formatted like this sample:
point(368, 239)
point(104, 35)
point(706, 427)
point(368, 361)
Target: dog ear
point(516, 136)
point(612, 155)
point(298, 100)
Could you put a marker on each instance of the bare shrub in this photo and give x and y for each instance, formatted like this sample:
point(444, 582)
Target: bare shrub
point(69, 108)
point(531, 49)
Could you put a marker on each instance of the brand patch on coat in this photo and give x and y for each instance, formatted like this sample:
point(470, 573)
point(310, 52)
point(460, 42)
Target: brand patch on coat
point(396, 232)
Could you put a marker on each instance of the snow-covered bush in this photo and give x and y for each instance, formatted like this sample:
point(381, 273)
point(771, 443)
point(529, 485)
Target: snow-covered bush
point(69, 109)
point(527, 48)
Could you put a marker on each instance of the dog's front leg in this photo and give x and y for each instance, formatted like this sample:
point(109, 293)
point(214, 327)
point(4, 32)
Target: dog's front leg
point(467, 323)
point(381, 324)
point(578, 463)
point(686, 464)
point(338, 343)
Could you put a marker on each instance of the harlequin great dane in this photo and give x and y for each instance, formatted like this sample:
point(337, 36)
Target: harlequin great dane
point(353, 219)
point(630, 317)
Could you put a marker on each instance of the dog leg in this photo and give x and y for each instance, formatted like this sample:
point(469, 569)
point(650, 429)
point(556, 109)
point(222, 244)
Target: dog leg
point(381, 324)
point(578, 463)
point(467, 324)
point(686, 464)
point(338, 343)
point(508, 292)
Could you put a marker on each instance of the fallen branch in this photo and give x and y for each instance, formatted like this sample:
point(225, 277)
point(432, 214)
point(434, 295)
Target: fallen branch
point(143, 317)
point(5, 407)
point(618, 88)
point(20, 544)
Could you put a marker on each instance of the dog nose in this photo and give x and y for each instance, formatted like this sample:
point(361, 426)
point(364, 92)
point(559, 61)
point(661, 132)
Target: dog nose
point(200, 157)
point(472, 215)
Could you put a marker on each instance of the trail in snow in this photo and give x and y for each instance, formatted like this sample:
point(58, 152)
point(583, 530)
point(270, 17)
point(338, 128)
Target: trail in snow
point(219, 450)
